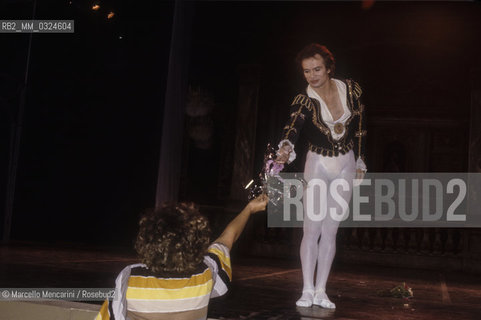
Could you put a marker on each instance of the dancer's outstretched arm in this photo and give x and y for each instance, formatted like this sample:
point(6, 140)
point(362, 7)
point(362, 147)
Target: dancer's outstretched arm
point(236, 226)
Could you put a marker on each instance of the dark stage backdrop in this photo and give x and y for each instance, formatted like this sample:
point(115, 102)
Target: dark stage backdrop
point(91, 129)
point(90, 145)
point(413, 60)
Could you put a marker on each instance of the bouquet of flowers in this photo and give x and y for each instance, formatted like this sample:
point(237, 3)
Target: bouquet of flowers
point(268, 181)
point(399, 291)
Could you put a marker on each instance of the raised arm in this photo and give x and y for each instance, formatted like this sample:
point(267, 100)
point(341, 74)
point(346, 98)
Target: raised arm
point(235, 227)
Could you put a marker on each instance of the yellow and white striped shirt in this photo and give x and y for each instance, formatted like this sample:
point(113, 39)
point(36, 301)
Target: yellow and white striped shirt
point(147, 297)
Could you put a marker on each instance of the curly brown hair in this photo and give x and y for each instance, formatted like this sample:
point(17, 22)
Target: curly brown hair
point(173, 238)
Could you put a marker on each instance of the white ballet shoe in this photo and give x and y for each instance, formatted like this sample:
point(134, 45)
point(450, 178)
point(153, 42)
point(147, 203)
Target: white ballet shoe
point(321, 299)
point(306, 299)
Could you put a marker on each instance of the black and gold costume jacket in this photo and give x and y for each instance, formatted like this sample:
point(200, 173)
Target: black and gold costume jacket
point(306, 115)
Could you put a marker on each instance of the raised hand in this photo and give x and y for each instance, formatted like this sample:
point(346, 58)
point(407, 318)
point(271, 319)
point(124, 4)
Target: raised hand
point(258, 204)
point(283, 153)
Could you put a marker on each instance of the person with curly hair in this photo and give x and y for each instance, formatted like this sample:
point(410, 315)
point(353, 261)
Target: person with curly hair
point(181, 269)
point(332, 118)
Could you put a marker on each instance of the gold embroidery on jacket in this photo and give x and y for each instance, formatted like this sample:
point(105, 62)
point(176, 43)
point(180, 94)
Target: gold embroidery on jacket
point(362, 133)
point(305, 101)
point(357, 90)
point(294, 116)
point(354, 92)
point(328, 152)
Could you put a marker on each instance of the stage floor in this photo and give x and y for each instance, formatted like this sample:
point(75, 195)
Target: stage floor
point(262, 288)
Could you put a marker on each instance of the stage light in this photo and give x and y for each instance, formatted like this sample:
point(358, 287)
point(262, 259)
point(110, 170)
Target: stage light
point(95, 7)
point(367, 4)
point(110, 15)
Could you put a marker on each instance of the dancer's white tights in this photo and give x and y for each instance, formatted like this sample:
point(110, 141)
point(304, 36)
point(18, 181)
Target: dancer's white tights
point(319, 240)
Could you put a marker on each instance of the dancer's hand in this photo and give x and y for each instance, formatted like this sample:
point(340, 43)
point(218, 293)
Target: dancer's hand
point(360, 174)
point(283, 153)
point(258, 204)
point(359, 177)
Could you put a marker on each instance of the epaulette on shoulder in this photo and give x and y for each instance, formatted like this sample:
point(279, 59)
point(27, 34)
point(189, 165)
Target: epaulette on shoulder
point(356, 89)
point(301, 99)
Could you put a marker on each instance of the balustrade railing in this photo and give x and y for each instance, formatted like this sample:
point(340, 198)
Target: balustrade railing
point(420, 241)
